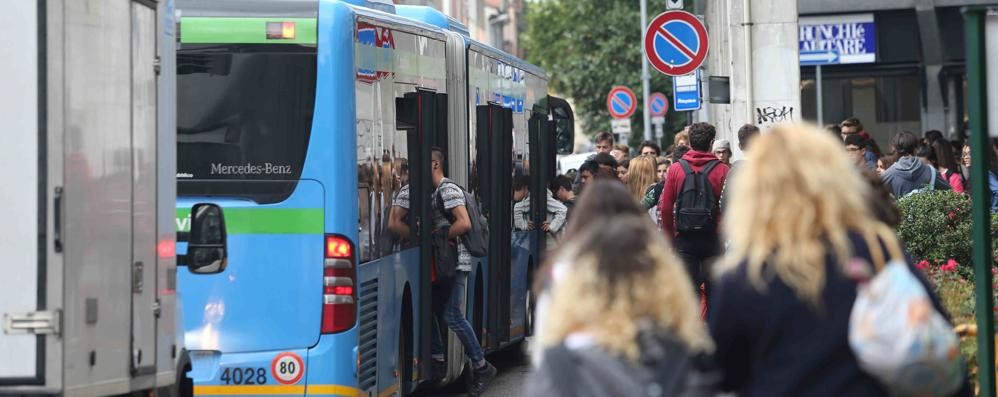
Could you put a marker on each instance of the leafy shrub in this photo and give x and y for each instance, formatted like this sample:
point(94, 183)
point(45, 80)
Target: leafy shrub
point(935, 226)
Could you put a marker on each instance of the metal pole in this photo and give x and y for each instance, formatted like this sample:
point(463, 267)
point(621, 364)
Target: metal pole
point(644, 73)
point(747, 50)
point(979, 151)
point(817, 79)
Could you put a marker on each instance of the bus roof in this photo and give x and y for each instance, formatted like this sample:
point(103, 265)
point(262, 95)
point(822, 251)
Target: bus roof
point(433, 17)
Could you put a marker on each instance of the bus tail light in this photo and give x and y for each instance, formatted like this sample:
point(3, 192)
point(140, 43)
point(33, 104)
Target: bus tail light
point(339, 280)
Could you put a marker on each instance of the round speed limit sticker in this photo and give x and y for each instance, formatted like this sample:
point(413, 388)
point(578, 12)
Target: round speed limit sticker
point(287, 368)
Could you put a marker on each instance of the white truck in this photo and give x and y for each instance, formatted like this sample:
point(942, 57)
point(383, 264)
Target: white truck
point(87, 192)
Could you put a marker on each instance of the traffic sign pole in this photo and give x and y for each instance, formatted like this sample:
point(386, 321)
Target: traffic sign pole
point(644, 74)
point(817, 81)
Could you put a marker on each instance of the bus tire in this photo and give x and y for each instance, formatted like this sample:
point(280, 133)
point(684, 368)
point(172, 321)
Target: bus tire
point(404, 351)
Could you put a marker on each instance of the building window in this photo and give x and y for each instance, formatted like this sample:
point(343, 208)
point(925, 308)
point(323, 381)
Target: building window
point(885, 104)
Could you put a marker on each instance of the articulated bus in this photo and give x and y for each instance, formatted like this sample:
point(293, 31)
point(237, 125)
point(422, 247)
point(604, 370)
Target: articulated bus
point(303, 121)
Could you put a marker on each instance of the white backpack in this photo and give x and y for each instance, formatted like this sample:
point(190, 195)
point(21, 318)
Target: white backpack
point(896, 333)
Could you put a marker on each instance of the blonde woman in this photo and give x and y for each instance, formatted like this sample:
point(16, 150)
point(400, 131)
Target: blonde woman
point(621, 325)
point(640, 176)
point(781, 307)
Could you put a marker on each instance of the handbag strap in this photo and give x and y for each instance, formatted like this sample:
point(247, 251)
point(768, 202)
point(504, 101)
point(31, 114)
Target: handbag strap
point(881, 234)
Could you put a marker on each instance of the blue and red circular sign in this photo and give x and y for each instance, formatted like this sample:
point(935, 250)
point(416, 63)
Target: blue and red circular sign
point(621, 102)
point(676, 43)
point(658, 104)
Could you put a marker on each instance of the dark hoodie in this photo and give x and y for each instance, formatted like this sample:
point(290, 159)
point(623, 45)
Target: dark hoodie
point(910, 173)
point(674, 179)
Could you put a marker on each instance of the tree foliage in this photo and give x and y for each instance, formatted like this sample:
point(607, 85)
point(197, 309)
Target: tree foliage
point(589, 46)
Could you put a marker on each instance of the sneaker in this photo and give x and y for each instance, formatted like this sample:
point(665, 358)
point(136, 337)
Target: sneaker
point(482, 377)
point(439, 369)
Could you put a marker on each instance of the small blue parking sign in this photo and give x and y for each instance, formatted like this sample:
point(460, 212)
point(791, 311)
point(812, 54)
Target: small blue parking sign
point(686, 92)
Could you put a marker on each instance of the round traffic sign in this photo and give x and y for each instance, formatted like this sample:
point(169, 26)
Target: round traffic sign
point(621, 102)
point(287, 368)
point(676, 43)
point(658, 104)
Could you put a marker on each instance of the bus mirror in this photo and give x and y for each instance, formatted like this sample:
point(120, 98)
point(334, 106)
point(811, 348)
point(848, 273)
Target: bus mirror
point(564, 125)
point(207, 247)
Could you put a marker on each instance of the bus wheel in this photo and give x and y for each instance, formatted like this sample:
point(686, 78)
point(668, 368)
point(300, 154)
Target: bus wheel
point(404, 360)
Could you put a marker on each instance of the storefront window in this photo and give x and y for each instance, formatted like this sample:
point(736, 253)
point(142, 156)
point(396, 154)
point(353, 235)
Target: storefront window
point(885, 104)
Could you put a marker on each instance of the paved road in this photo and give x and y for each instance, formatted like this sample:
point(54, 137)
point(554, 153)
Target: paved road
point(513, 370)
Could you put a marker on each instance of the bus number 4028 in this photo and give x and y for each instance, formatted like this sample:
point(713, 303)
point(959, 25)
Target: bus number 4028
point(244, 376)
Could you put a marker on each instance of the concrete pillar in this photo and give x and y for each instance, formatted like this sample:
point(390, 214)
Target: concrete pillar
point(933, 106)
point(775, 70)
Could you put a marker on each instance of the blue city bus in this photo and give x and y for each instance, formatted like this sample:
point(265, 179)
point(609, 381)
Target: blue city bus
point(304, 121)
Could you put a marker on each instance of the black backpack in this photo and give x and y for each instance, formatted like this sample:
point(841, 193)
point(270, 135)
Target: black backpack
point(475, 240)
point(696, 206)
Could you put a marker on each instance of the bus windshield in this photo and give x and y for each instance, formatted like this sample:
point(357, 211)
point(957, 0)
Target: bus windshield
point(244, 115)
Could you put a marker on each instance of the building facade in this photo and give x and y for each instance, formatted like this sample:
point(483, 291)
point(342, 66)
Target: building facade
point(497, 23)
point(915, 81)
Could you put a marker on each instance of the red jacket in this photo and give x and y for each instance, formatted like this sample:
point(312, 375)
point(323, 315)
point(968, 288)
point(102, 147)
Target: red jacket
point(674, 184)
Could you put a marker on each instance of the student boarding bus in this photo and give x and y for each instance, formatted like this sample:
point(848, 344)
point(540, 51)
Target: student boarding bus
point(304, 121)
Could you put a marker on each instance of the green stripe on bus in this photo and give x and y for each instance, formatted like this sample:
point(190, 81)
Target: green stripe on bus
point(263, 220)
point(215, 30)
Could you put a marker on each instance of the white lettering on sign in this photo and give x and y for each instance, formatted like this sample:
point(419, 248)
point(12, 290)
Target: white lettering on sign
point(250, 169)
point(837, 39)
point(846, 38)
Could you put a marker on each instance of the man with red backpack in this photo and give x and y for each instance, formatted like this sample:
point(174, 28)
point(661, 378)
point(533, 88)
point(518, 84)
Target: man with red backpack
point(689, 210)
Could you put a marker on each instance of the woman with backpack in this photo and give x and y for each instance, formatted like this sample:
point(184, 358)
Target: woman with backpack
point(791, 301)
point(621, 325)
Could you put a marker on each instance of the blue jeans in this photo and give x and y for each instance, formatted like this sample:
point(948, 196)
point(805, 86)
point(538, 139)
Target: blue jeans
point(452, 297)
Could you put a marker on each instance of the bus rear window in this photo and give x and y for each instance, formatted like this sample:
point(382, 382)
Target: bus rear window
point(244, 115)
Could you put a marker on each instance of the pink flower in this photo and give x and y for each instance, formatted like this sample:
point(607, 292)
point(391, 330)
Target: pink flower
point(923, 265)
point(949, 267)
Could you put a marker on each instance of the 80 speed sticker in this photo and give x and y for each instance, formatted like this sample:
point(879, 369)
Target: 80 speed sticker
point(287, 368)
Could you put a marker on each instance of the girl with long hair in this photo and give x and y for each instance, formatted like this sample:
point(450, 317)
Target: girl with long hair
point(620, 324)
point(780, 314)
point(947, 166)
point(640, 176)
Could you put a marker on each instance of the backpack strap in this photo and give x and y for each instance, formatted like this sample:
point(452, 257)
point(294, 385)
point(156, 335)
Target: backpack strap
point(686, 166)
point(710, 166)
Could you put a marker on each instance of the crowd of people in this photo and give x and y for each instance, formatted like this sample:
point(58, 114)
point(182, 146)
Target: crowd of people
point(694, 275)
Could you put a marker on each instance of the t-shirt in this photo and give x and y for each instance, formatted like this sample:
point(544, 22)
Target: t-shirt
point(402, 198)
point(453, 197)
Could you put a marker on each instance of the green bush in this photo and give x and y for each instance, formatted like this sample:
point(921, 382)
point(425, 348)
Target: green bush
point(935, 226)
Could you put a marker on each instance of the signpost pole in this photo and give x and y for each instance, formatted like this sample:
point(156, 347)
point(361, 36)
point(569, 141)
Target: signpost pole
point(980, 147)
point(644, 73)
point(817, 84)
